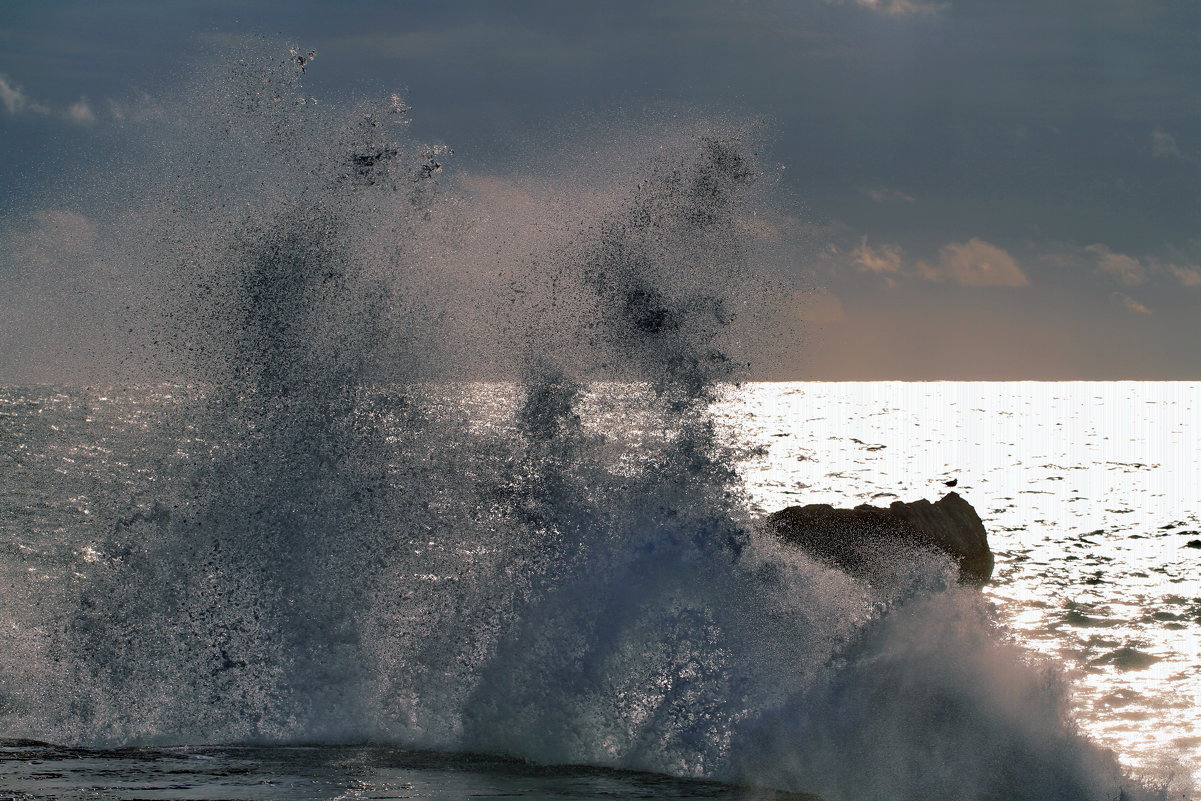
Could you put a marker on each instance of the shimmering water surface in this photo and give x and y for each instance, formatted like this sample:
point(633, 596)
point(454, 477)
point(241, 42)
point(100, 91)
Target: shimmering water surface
point(1089, 492)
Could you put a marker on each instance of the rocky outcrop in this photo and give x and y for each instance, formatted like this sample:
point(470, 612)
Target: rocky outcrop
point(857, 539)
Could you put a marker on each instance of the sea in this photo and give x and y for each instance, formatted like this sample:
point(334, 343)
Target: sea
point(1088, 491)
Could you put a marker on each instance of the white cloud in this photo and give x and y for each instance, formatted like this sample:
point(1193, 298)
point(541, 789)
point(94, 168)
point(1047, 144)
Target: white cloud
point(1163, 145)
point(1130, 270)
point(14, 101)
point(1187, 276)
point(1126, 269)
point(883, 194)
point(11, 96)
point(897, 7)
point(974, 263)
point(80, 111)
point(882, 260)
point(1130, 303)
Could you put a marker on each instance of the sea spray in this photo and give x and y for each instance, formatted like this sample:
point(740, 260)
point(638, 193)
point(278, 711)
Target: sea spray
point(342, 547)
point(608, 660)
point(229, 603)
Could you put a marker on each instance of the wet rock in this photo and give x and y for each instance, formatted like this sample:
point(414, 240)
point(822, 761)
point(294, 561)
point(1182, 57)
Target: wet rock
point(856, 539)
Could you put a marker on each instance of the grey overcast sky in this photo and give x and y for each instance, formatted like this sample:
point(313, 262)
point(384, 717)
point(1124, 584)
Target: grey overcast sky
point(982, 189)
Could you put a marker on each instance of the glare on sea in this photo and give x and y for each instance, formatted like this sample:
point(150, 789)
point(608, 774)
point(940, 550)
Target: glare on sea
point(1090, 491)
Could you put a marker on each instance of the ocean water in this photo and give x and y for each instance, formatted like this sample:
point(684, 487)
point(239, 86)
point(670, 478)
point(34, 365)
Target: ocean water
point(1105, 591)
point(293, 538)
point(1088, 491)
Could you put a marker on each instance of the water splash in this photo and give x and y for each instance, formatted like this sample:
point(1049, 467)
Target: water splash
point(560, 569)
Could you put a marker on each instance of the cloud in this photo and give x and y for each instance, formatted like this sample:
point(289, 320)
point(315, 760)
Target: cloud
point(80, 111)
point(883, 194)
point(1187, 276)
point(974, 263)
point(1126, 269)
point(15, 101)
point(1130, 303)
point(882, 260)
point(896, 7)
point(1132, 271)
point(1163, 145)
point(11, 96)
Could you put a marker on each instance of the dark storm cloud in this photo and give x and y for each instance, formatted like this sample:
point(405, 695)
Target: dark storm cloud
point(1037, 162)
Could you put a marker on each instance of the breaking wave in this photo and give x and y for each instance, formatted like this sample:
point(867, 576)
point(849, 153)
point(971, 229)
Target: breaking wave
point(443, 472)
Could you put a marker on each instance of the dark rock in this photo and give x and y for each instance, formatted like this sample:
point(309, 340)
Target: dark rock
point(854, 539)
point(1193, 544)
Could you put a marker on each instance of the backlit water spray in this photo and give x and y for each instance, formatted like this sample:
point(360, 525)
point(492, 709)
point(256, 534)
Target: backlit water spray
point(342, 540)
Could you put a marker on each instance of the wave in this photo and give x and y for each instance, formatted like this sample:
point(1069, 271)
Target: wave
point(347, 546)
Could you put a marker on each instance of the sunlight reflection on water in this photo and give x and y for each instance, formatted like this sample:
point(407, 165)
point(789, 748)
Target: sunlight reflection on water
point(1090, 493)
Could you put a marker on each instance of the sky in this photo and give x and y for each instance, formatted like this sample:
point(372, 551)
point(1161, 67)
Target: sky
point(973, 189)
